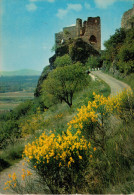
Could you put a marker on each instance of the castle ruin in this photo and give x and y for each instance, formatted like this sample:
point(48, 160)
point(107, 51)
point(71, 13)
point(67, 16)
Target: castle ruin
point(89, 31)
point(127, 21)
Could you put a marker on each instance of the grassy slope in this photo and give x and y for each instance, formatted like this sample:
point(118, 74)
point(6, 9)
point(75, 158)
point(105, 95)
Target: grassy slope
point(129, 80)
point(52, 122)
point(127, 186)
point(81, 98)
point(58, 124)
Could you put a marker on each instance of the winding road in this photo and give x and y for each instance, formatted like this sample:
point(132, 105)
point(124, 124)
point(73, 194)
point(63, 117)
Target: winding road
point(116, 87)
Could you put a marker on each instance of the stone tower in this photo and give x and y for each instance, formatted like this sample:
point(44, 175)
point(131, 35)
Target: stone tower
point(78, 26)
point(89, 31)
point(127, 21)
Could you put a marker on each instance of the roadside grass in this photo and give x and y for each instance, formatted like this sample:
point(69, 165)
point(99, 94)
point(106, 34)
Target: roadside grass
point(11, 155)
point(13, 152)
point(129, 79)
point(122, 141)
point(123, 188)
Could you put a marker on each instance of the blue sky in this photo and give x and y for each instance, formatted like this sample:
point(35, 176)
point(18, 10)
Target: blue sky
point(28, 27)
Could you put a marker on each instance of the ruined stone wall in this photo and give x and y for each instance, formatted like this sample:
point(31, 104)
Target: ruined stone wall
point(89, 31)
point(126, 21)
point(69, 32)
point(58, 38)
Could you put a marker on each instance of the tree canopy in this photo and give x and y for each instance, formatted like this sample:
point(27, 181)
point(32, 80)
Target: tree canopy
point(81, 51)
point(62, 61)
point(62, 83)
point(119, 53)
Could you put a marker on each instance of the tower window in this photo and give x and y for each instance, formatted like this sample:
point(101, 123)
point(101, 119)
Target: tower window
point(93, 40)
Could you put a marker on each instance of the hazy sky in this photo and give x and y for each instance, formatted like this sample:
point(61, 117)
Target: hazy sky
point(28, 27)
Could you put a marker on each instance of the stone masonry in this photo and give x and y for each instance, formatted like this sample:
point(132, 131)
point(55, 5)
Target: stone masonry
point(89, 31)
point(127, 21)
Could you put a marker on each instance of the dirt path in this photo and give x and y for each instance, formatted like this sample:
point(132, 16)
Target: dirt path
point(115, 85)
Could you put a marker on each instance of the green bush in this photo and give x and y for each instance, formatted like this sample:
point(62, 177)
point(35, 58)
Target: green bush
point(126, 58)
point(119, 53)
point(62, 83)
point(94, 62)
point(11, 154)
point(63, 61)
point(80, 51)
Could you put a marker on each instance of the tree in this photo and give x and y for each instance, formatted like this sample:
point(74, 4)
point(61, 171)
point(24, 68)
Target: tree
point(117, 38)
point(62, 83)
point(94, 62)
point(114, 44)
point(80, 51)
point(119, 53)
point(62, 61)
point(126, 58)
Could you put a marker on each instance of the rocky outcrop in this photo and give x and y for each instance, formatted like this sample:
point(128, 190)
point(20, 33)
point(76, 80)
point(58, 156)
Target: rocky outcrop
point(127, 21)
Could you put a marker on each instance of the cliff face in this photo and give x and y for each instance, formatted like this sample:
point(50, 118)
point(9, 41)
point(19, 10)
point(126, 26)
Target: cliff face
point(127, 21)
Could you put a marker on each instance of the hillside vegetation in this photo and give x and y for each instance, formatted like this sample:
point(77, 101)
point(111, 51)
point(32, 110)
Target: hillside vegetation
point(118, 57)
point(71, 52)
point(84, 151)
point(79, 140)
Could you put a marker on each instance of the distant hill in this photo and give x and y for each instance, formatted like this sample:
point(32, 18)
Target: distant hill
point(24, 72)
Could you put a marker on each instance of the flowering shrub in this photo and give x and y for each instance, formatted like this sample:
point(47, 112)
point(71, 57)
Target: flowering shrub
point(59, 159)
point(98, 109)
point(127, 104)
point(32, 124)
point(92, 119)
point(14, 184)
